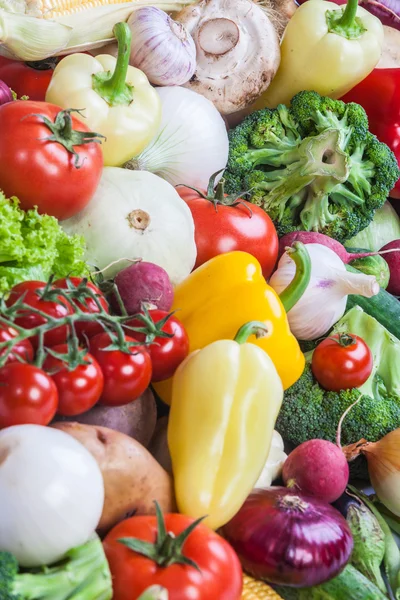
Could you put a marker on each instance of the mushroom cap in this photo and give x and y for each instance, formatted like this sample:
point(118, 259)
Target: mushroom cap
point(237, 48)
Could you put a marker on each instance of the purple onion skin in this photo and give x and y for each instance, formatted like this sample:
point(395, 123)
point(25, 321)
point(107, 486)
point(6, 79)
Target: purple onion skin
point(288, 538)
point(143, 282)
point(388, 11)
point(5, 94)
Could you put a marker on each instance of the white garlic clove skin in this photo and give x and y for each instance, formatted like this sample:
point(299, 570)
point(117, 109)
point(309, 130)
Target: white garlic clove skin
point(161, 47)
point(238, 51)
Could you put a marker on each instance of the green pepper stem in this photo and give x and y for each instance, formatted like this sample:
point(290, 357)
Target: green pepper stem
point(346, 23)
point(296, 288)
point(113, 88)
point(349, 15)
point(257, 328)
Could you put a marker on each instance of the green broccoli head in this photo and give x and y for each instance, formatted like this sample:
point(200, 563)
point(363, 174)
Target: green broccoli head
point(8, 573)
point(313, 166)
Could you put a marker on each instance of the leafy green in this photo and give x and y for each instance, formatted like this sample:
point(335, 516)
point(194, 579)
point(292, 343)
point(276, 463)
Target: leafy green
point(34, 246)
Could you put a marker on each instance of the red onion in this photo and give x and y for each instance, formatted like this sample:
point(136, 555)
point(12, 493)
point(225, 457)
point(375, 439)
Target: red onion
point(5, 93)
point(288, 538)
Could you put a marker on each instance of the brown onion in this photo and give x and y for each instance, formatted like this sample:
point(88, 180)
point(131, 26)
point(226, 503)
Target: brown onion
point(288, 538)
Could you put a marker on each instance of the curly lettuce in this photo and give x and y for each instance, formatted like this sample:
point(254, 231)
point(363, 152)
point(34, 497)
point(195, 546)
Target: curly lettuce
point(33, 246)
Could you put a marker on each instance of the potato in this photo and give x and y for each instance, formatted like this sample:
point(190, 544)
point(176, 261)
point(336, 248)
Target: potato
point(137, 419)
point(133, 479)
point(158, 446)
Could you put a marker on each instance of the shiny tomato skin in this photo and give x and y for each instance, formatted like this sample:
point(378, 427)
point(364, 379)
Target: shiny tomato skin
point(24, 79)
point(221, 229)
point(27, 396)
point(166, 353)
point(340, 367)
point(23, 349)
point(126, 376)
point(40, 172)
point(86, 329)
point(220, 577)
point(78, 390)
point(30, 290)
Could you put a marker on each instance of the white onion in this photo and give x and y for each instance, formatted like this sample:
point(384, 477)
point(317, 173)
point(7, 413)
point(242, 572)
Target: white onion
point(162, 48)
point(51, 494)
point(192, 142)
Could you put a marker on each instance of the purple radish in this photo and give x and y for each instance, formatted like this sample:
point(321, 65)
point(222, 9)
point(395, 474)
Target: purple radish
point(143, 283)
point(311, 237)
point(393, 260)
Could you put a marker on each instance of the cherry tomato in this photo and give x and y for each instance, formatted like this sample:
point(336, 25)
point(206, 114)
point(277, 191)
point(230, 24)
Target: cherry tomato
point(28, 78)
point(166, 353)
point(220, 576)
point(126, 376)
point(221, 228)
point(83, 328)
point(42, 172)
point(31, 293)
point(27, 395)
point(23, 349)
point(78, 389)
point(341, 362)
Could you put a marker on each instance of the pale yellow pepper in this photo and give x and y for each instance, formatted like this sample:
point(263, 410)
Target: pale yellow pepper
point(225, 401)
point(116, 100)
point(326, 48)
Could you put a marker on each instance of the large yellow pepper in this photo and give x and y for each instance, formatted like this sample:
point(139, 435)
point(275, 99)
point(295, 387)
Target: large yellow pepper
point(219, 296)
point(325, 48)
point(117, 100)
point(225, 401)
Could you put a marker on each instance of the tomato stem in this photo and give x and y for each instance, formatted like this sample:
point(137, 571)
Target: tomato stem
point(151, 329)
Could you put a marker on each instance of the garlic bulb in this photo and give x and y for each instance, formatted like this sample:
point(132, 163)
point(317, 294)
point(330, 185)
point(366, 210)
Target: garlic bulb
point(273, 466)
point(324, 301)
point(162, 48)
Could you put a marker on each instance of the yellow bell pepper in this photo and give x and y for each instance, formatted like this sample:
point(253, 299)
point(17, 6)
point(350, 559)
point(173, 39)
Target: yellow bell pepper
point(226, 291)
point(116, 100)
point(325, 48)
point(225, 401)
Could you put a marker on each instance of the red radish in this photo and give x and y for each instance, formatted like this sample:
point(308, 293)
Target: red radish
point(311, 237)
point(393, 260)
point(143, 283)
point(317, 468)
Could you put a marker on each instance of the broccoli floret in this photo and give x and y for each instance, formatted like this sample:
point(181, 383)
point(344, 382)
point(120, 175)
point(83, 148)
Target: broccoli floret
point(313, 166)
point(83, 574)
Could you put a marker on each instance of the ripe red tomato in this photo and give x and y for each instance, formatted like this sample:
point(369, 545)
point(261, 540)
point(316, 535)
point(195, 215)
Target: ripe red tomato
point(223, 228)
point(85, 329)
point(341, 362)
point(23, 349)
point(42, 172)
point(27, 395)
point(78, 389)
point(166, 353)
point(31, 292)
point(27, 78)
point(220, 576)
point(126, 376)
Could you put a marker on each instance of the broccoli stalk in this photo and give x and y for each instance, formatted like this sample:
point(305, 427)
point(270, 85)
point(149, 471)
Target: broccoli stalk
point(313, 166)
point(83, 575)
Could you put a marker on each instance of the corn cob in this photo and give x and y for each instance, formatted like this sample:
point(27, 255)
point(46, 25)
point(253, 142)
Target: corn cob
point(254, 589)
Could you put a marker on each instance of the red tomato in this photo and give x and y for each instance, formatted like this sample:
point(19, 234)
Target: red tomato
point(221, 228)
point(31, 292)
point(126, 376)
point(85, 329)
point(23, 349)
point(220, 576)
point(27, 395)
point(78, 390)
point(341, 362)
point(27, 78)
point(166, 353)
point(41, 172)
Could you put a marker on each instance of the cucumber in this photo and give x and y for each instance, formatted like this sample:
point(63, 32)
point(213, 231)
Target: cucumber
point(373, 265)
point(384, 307)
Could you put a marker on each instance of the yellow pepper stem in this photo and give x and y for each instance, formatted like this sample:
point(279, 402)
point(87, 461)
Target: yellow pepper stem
point(113, 88)
point(256, 328)
point(294, 291)
point(346, 23)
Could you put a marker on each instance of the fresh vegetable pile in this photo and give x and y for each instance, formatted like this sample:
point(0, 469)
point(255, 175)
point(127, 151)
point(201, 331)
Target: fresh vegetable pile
point(199, 300)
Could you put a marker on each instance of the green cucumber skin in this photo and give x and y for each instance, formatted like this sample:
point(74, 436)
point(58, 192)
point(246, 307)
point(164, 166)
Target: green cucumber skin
point(373, 265)
point(384, 307)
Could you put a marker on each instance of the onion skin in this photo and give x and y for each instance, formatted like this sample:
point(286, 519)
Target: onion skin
point(294, 546)
point(5, 94)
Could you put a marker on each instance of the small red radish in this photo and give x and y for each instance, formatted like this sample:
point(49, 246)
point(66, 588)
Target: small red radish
point(317, 468)
point(393, 260)
point(143, 283)
point(312, 237)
